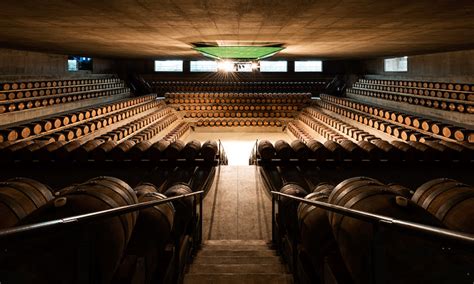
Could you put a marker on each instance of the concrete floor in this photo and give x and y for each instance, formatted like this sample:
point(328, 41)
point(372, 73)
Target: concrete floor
point(238, 145)
point(237, 207)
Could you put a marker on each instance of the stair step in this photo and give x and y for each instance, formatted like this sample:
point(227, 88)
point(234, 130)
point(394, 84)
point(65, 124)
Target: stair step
point(237, 242)
point(237, 278)
point(237, 260)
point(227, 252)
point(235, 247)
point(237, 268)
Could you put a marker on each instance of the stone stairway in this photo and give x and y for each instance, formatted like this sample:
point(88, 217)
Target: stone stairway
point(237, 261)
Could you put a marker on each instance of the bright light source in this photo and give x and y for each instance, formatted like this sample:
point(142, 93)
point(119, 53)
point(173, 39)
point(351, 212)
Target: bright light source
point(225, 66)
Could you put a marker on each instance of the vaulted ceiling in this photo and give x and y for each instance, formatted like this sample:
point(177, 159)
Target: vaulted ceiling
point(307, 28)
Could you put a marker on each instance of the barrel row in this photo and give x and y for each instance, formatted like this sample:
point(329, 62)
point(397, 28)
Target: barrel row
point(71, 131)
point(177, 132)
point(408, 124)
point(234, 107)
point(420, 85)
point(234, 96)
point(453, 95)
point(110, 121)
point(13, 96)
point(299, 132)
point(31, 85)
point(439, 203)
point(117, 243)
point(101, 150)
point(151, 131)
point(385, 125)
point(46, 125)
point(323, 130)
point(222, 86)
point(374, 150)
point(57, 99)
point(41, 149)
point(320, 239)
point(438, 103)
point(238, 122)
point(135, 126)
point(344, 128)
point(238, 114)
point(257, 102)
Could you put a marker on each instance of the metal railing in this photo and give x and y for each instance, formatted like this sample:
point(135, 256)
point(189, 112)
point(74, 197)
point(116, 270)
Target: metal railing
point(253, 160)
point(383, 220)
point(222, 157)
point(18, 240)
point(94, 216)
point(460, 240)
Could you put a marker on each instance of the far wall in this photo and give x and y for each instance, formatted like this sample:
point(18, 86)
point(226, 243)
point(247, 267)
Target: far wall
point(146, 68)
point(22, 63)
point(455, 66)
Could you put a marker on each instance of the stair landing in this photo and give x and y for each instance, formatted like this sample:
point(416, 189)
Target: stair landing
point(237, 261)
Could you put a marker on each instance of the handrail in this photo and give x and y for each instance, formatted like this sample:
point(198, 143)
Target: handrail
point(381, 219)
point(222, 155)
point(253, 154)
point(91, 216)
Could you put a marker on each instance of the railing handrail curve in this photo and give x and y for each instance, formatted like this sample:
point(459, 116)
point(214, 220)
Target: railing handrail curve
point(376, 218)
point(88, 217)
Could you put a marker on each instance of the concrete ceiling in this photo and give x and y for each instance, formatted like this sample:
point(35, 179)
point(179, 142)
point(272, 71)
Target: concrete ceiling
point(308, 28)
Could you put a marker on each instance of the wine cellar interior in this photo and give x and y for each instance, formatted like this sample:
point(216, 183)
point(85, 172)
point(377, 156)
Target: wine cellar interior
point(217, 141)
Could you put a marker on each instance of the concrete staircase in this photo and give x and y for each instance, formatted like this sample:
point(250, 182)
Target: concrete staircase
point(237, 261)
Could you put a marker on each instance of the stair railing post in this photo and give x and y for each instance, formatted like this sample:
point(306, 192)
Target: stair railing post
point(273, 220)
point(200, 218)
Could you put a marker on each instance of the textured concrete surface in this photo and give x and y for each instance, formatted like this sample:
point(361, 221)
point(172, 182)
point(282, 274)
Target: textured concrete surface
point(324, 28)
point(456, 66)
point(237, 207)
point(20, 62)
point(237, 261)
point(238, 145)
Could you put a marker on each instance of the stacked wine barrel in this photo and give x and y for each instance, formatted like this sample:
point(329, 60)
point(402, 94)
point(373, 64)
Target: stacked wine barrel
point(373, 150)
point(333, 128)
point(314, 87)
point(402, 251)
point(151, 242)
point(217, 109)
point(117, 125)
point(75, 124)
point(328, 241)
point(24, 95)
point(438, 95)
point(101, 149)
point(398, 124)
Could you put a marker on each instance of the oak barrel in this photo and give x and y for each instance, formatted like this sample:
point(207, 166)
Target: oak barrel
point(452, 202)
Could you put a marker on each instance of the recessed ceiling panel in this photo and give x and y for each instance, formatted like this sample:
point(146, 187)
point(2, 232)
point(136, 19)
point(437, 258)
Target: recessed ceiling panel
point(239, 52)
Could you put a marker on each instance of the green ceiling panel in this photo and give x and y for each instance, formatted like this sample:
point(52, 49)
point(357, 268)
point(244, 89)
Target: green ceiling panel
point(238, 52)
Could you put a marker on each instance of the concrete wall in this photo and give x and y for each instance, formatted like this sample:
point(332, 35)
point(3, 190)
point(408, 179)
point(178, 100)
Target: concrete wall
point(18, 62)
point(456, 66)
point(146, 67)
point(103, 66)
point(28, 63)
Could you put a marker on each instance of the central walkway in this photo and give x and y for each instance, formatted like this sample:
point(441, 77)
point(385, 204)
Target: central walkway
point(238, 145)
point(236, 233)
point(237, 207)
